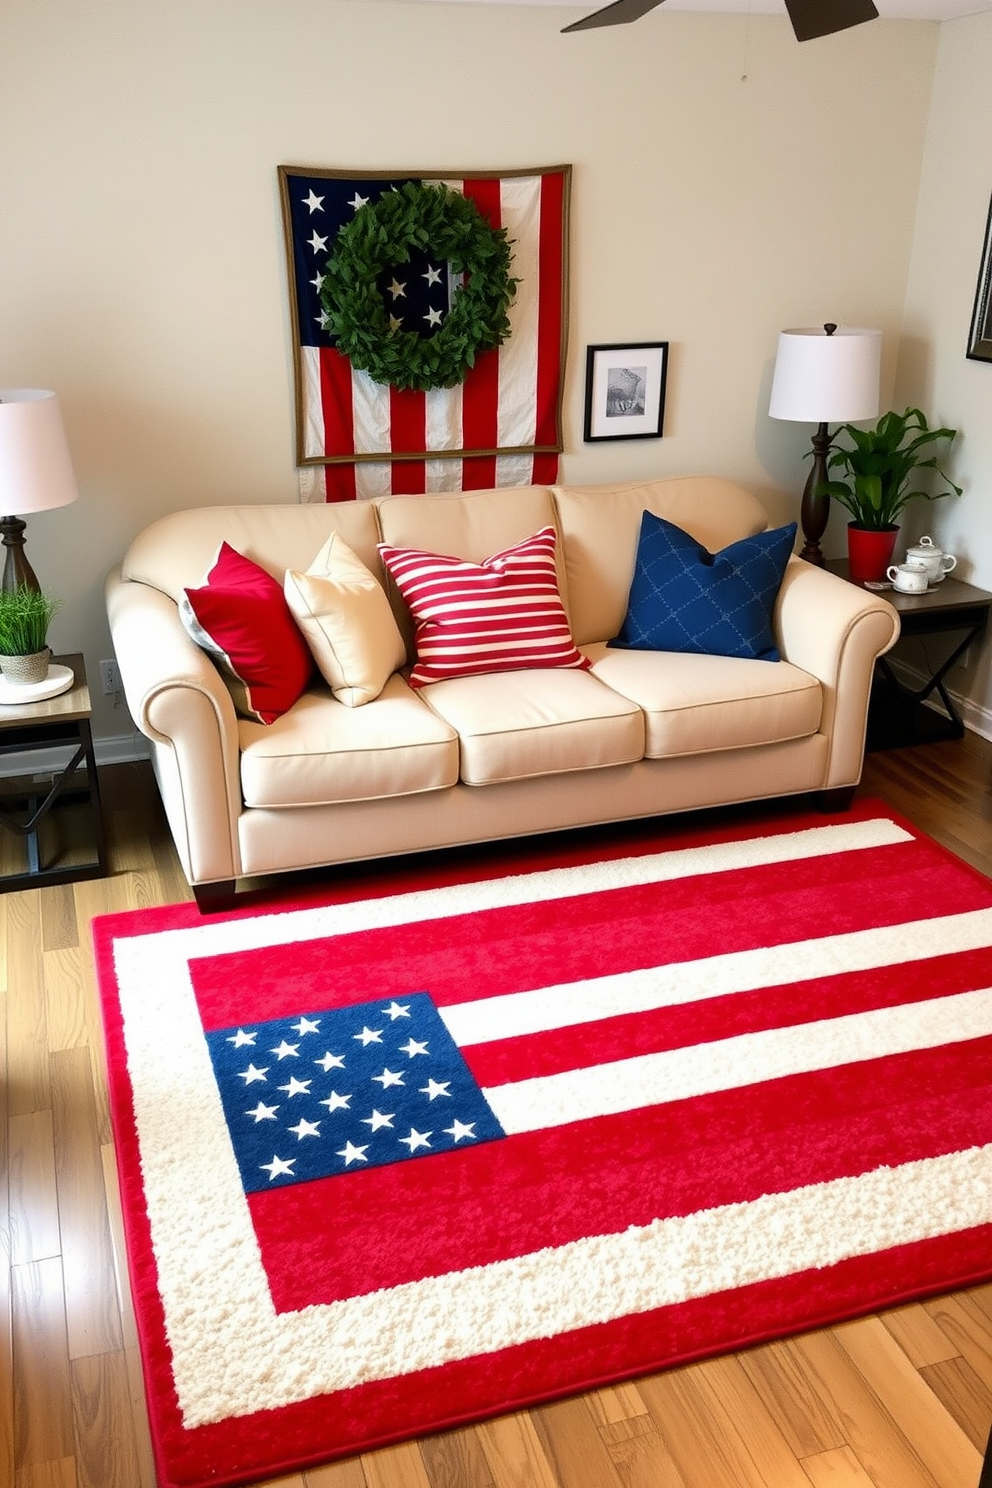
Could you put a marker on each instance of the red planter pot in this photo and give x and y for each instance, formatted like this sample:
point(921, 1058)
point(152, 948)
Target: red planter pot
point(869, 552)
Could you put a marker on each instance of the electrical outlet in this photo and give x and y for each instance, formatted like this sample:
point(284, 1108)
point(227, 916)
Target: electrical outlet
point(111, 678)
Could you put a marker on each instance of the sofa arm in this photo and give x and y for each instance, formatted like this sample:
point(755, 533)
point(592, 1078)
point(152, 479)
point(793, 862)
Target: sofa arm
point(177, 699)
point(835, 631)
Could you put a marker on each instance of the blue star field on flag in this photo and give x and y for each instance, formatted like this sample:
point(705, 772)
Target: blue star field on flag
point(331, 1092)
point(416, 294)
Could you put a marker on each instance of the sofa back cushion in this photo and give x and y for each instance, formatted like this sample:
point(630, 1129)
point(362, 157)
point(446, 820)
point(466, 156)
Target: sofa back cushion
point(600, 527)
point(174, 553)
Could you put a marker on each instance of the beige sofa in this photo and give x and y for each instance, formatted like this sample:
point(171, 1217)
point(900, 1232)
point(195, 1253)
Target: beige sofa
point(479, 758)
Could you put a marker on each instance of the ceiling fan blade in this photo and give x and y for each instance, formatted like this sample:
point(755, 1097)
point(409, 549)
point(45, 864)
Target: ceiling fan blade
point(620, 13)
point(813, 18)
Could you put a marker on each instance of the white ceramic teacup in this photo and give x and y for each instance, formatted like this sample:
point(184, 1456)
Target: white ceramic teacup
point(937, 563)
point(908, 579)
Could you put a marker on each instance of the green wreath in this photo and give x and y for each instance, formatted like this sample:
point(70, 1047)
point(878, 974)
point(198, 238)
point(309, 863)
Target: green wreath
point(380, 236)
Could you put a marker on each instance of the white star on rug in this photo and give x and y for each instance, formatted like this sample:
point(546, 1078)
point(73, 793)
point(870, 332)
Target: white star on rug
point(297, 1087)
point(277, 1168)
point(434, 1088)
point(368, 1036)
point(330, 1061)
point(335, 1102)
point(376, 1120)
point(387, 1078)
point(461, 1129)
point(412, 1048)
point(417, 1139)
point(251, 1074)
point(285, 1050)
point(263, 1112)
point(397, 1010)
point(307, 1025)
point(305, 1128)
point(351, 1154)
point(240, 1038)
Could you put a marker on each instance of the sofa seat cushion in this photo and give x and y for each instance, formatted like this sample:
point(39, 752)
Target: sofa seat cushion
point(515, 725)
point(694, 704)
point(322, 752)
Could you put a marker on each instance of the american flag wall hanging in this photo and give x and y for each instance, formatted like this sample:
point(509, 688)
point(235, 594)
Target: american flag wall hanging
point(502, 426)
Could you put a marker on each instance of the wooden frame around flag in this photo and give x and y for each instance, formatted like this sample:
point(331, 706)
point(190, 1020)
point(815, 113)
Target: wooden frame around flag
point(510, 404)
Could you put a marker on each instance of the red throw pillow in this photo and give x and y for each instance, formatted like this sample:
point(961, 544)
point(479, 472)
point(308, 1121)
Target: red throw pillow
point(503, 615)
point(241, 618)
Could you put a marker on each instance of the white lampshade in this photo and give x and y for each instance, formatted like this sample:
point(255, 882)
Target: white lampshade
point(822, 378)
point(35, 468)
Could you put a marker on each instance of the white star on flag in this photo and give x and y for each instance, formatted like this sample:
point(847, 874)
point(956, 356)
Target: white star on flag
point(317, 243)
point(369, 1036)
point(313, 201)
point(305, 1128)
point(263, 1112)
point(335, 1102)
point(461, 1130)
point(377, 1120)
point(397, 1010)
point(240, 1038)
point(351, 1154)
point(358, 201)
point(412, 1048)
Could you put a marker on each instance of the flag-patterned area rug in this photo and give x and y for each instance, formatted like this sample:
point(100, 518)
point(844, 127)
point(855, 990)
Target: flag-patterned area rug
point(439, 1147)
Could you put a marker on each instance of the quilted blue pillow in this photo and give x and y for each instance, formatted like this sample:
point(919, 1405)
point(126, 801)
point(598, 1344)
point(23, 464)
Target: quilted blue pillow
point(684, 598)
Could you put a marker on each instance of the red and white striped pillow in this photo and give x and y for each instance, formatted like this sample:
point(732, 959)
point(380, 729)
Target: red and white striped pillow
point(503, 615)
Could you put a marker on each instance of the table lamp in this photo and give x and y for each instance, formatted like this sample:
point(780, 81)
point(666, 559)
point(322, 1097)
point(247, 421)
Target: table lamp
point(35, 472)
point(824, 375)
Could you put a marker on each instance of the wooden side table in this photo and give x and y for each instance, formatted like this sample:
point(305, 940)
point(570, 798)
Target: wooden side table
point(897, 716)
point(59, 721)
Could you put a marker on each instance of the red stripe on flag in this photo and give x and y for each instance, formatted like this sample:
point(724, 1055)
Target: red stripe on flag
point(480, 391)
point(407, 431)
point(479, 472)
point(550, 346)
point(545, 470)
point(339, 483)
point(336, 404)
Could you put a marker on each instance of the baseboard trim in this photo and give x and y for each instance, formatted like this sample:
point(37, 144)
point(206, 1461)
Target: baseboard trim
point(118, 749)
point(973, 715)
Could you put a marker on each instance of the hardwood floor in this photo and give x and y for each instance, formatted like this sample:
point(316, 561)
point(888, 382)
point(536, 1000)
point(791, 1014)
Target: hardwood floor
point(900, 1400)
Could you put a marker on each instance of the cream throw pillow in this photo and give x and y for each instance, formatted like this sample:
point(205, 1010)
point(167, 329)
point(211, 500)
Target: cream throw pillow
point(344, 615)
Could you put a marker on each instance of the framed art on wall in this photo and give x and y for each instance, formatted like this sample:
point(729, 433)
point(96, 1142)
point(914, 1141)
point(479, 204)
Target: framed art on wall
point(980, 340)
point(625, 390)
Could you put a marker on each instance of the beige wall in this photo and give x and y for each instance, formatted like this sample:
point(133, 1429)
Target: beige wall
point(727, 182)
point(933, 370)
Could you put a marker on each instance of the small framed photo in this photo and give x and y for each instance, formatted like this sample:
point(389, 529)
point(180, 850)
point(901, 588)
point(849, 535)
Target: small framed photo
point(625, 390)
point(980, 341)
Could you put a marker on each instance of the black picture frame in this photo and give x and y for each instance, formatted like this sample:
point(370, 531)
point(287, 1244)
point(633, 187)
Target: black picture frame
point(625, 390)
point(980, 340)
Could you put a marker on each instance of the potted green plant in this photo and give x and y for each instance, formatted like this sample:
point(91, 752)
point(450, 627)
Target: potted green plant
point(879, 468)
point(25, 615)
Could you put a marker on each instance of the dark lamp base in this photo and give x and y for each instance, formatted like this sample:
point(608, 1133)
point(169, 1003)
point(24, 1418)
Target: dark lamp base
point(17, 571)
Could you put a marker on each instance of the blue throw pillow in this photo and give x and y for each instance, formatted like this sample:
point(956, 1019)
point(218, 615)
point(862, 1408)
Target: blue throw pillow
point(684, 598)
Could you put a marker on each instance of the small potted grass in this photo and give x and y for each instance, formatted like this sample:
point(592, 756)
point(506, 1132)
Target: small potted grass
point(25, 615)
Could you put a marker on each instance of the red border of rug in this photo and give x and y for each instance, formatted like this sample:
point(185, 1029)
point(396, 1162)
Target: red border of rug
point(272, 1443)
